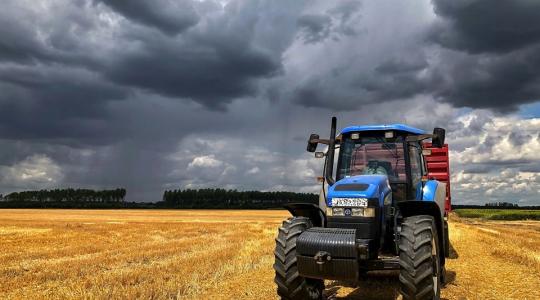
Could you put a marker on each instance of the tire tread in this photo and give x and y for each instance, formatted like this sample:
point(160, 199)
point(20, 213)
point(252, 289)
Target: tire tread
point(290, 285)
point(416, 261)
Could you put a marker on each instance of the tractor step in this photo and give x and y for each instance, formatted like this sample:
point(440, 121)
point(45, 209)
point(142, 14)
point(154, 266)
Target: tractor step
point(381, 264)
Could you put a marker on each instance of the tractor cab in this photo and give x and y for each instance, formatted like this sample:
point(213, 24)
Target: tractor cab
point(381, 208)
point(383, 150)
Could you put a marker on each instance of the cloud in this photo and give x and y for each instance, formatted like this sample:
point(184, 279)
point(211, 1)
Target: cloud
point(34, 172)
point(173, 69)
point(60, 102)
point(351, 63)
point(507, 186)
point(475, 54)
point(491, 52)
point(171, 17)
point(339, 20)
point(315, 27)
point(207, 161)
point(493, 81)
point(495, 158)
point(229, 50)
point(479, 26)
point(252, 167)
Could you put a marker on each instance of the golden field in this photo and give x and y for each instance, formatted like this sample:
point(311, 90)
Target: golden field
point(223, 254)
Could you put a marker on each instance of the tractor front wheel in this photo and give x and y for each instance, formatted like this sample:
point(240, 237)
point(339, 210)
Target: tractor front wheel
point(290, 285)
point(420, 269)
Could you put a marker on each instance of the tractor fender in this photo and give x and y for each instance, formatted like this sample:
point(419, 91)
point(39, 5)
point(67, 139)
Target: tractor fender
point(430, 208)
point(435, 191)
point(308, 210)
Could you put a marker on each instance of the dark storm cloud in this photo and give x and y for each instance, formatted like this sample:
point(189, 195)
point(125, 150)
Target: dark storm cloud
point(171, 17)
point(213, 74)
point(499, 82)
point(61, 68)
point(393, 79)
point(217, 61)
point(17, 43)
point(496, 53)
point(54, 102)
point(480, 26)
point(28, 36)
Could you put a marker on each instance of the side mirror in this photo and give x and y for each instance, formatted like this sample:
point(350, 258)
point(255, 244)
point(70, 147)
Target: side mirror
point(312, 146)
point(438, 137)
point(319, 154)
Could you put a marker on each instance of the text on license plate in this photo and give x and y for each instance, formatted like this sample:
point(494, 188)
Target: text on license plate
point(350, 202)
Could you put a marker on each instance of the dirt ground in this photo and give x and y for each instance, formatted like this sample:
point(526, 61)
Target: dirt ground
point(219, 254)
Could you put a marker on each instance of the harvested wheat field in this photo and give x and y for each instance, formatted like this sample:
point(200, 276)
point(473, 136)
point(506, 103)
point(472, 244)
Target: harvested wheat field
point(219, 254)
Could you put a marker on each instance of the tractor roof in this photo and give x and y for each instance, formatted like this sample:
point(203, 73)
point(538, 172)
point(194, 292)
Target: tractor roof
point(397, 127)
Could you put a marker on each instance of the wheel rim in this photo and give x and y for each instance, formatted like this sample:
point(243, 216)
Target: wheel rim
point(435, 261)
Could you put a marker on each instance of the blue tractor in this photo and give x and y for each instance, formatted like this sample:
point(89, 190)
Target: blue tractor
point(381, 211)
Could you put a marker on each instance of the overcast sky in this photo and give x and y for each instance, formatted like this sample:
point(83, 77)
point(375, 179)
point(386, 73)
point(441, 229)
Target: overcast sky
point(154, 95)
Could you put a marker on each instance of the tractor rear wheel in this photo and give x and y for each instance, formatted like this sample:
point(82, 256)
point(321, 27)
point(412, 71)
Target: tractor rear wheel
point(420, 269)
point(290, 285)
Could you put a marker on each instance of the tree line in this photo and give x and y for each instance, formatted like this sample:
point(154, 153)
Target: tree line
point(221, 198)
point(488, 207)
point(501, 204)
point(66, 198)
point(188, 198)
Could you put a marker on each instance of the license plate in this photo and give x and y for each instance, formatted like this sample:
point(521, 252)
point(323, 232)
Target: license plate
point(350, 202)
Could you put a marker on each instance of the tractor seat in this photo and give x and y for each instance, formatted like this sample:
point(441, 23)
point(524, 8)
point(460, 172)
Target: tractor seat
point(373, 165)
point(388, 167)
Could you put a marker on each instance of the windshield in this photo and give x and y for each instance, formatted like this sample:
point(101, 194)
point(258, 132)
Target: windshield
point(372, 156)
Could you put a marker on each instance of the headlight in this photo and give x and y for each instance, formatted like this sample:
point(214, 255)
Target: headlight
point(358, 212)
point(363, 212)
point(338, 211)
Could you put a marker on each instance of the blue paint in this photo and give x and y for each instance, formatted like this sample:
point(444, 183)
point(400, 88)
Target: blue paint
point(419, 187)
point(429, 190)
point(378, 188)
point(397, 127)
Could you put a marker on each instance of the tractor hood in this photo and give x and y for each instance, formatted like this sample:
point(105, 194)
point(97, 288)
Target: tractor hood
point(360, 186)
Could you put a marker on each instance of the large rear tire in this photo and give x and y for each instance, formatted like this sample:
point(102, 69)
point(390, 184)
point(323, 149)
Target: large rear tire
point(419, 260)
point(290, 285)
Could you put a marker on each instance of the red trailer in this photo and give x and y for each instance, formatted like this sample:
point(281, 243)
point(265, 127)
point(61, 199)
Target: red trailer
point(438, 165)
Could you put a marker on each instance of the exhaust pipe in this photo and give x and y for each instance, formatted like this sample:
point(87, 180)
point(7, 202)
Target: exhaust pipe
point(329, 168)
